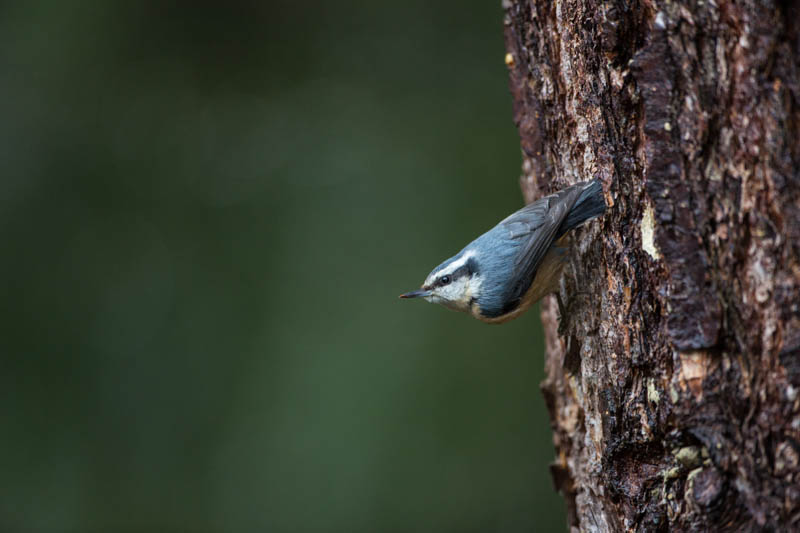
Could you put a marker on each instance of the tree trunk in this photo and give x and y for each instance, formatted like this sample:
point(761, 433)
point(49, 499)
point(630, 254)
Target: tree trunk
point(674, 391)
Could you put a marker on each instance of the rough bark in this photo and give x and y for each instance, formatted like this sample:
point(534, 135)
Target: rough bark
point(674, 392)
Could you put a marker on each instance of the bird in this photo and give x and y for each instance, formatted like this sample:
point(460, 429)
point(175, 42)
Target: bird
point(499, 275)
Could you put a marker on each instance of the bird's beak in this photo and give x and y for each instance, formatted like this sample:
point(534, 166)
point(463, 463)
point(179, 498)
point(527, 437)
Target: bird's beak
point(420, 293)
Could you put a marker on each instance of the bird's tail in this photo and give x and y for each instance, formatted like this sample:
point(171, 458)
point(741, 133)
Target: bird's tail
point(589, 204)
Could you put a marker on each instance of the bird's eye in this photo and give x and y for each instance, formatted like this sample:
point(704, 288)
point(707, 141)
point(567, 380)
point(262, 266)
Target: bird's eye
point(445, 280)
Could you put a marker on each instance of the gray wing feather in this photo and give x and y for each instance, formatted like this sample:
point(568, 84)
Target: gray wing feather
point(538, 223)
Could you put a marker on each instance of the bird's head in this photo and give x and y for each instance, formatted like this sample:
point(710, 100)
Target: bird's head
point(454, 284)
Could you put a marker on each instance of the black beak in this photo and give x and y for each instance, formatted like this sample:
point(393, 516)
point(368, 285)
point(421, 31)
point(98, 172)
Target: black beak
point(415, 294)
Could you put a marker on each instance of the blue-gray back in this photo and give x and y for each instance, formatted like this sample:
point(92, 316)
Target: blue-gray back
point(508, 255)
point(511, 252)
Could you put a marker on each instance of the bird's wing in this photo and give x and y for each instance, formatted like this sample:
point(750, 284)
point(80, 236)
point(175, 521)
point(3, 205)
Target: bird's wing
point(538, 224)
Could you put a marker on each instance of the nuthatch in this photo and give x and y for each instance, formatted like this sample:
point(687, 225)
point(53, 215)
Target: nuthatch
point(499, 275)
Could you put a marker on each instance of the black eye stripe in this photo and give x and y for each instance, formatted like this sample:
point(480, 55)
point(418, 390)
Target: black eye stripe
point(462, 271)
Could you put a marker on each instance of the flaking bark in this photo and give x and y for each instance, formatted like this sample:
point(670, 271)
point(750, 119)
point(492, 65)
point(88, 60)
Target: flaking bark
point(674, 394)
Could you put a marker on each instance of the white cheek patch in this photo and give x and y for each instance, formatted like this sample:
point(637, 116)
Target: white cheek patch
point(456, 294)
point(474, 286)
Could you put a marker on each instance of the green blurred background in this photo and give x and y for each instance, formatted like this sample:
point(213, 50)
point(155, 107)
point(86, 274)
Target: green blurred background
point(208, 211)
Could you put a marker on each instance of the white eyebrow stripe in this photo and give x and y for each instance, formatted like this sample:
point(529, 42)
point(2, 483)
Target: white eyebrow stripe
point(455, 265)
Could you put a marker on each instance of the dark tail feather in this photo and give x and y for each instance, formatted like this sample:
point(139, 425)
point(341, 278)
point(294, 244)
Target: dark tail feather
point(590, 204)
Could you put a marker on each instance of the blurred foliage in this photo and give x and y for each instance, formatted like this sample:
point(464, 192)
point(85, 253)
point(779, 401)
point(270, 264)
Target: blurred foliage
point(209, 210)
